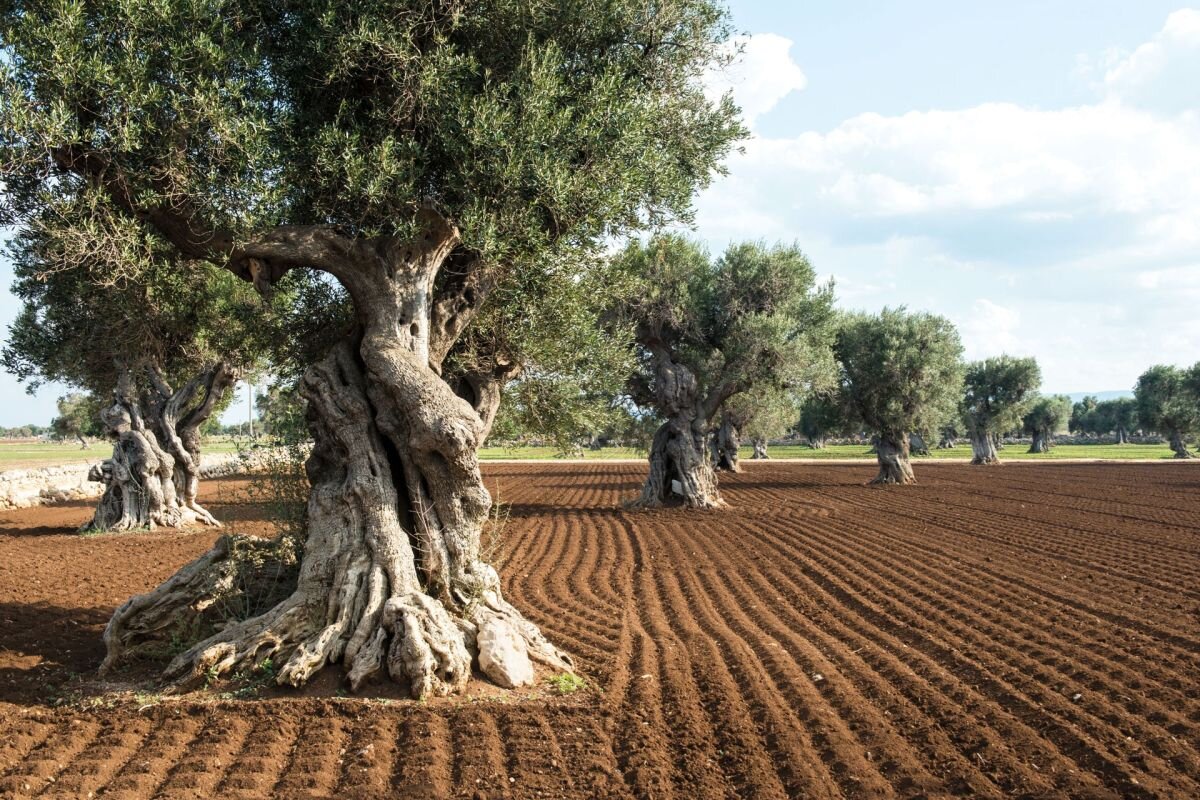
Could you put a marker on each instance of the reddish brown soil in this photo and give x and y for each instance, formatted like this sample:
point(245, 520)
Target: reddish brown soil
point(1020, 631)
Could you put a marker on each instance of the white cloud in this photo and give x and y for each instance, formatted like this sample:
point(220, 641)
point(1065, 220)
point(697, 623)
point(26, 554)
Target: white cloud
point(1158, 74)
point(762, 75)
point(1062, 233)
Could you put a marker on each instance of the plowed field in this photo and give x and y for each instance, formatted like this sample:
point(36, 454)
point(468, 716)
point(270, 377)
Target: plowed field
point(1029, 630)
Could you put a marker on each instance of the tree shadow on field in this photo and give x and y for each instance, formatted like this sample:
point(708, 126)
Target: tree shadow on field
point(43, 645)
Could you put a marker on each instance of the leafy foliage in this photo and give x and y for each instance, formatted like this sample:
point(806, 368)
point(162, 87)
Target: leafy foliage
point(1164, 402)
point(1047, 415)
point(997, 393)
point(78, 416)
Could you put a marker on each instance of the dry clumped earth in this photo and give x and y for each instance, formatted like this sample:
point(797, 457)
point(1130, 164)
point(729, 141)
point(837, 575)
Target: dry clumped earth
point(1029, 631)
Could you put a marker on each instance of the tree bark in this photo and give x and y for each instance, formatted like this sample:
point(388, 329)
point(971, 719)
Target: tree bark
point(760, 449)
point(1122, 435)
point(179, 428)
point(726, 441)
point(816, 442)
point(1040, 443)
point(677, 459)
point(946, 442)
point(917, 446)
point(391, 580)
point(1178, 446)
point(892, 452)
point(983, 449)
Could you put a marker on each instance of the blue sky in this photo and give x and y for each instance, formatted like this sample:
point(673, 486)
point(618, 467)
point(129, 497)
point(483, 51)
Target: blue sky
point(1029, 169)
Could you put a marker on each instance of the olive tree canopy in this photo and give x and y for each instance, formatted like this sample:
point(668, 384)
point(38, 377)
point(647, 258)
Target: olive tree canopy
point(424, 155)
point(900, 372)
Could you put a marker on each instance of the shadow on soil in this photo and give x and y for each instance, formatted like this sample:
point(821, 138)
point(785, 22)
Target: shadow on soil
point(42, 646)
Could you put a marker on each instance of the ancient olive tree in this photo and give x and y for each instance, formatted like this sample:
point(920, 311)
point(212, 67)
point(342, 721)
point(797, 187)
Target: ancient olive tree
point(1045, 417)
point(1117, 416)
point(106, 310)
point(900, 372)
point(707, 330)
point(1165, 405)
point(422, 155)
point(995, 397)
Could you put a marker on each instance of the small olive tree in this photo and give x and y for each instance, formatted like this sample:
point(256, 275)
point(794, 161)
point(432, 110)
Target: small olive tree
point(1166, 405)
point(900, 372)
point(1046, 416)
point(996, 393)
point(708, 330)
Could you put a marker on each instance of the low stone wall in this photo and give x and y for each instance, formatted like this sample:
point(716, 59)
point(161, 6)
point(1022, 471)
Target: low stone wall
point(22, 488)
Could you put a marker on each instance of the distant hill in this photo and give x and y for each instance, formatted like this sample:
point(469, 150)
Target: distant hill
point(1111, 395)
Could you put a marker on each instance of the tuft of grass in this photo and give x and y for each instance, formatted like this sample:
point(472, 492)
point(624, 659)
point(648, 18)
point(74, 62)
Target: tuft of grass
point(566, 683)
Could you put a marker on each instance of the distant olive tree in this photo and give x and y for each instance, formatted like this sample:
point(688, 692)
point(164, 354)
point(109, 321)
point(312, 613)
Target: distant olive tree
point(1046, 416)
point(1117, 416)
point(1166, 405)
point(996, 393)
point(708, 330)
point(900, 372)
point(78, 418)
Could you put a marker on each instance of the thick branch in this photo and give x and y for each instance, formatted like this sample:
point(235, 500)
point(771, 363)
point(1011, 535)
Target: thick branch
point(177, 221)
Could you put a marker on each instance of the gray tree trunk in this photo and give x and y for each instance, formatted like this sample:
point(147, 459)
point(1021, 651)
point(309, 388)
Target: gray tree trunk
point(1122, 435)
point(946, 442)
point(1040, 443)
point(760, 449)
point(892, 452)
point(391, 580)
point(726, 441)
point(917, 445)
point(983, 449)
point(678, 464)
point(816, 442)
point(1178, 446)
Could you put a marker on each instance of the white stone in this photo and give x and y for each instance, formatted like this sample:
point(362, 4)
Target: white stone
point(503, 656)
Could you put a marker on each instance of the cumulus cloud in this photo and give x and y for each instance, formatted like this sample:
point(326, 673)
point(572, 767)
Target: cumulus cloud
point(1027, 226)
point(762, 74)
point(1160, 73)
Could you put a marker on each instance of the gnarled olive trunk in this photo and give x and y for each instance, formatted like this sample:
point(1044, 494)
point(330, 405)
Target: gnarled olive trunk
point(726, 441)
point(946, 442)
point(153, 477)
point(1178, 446)
point(760, 448)
point(816, 442)
point(983, 449)
point(1040, 443)
point(917, 446)
point(1122, 436)
point(677, 459)
point(391, 581)
point(892, 452)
